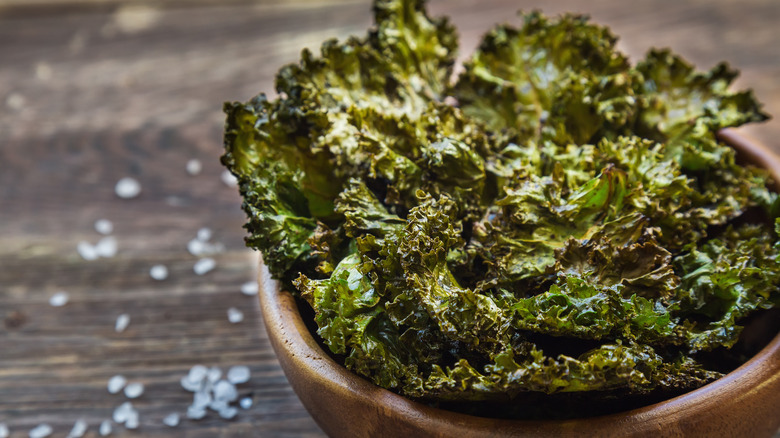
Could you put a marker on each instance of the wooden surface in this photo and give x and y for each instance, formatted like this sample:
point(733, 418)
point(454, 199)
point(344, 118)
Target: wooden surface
point(94, 91)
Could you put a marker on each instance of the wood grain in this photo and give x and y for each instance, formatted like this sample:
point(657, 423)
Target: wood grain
point(94, 91)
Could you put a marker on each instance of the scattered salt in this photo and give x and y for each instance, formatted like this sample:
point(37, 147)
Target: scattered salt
point(194, 167)
point(228, 412)
point(234, 315)
point(204, 234)
point(4, 432)
point(105, 428)
point(41, 431)
point(122, 412)
point(116, 383)
point(134, 390)
point(159, 272)
point(238, 374)
point(204, 265)
point(122, 321)
point(59, 299)
point(249, 288)
point(246, 402)
point(225, 391)
point(171, 420)
point(106, 247)
point(86, 250)
point(127, 188)
point(79, 429)
point(196, 413)
point(228, 178)
point(104, 226)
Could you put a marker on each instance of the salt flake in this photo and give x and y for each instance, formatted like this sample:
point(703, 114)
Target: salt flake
point(122, 321)
point(116, 383)
point(250, 288)
point(127, 188)
point(59, 299)
point(158, 272)
point(234, 315)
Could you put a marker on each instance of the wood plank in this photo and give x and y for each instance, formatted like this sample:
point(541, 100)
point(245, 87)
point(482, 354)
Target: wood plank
point(90, 92)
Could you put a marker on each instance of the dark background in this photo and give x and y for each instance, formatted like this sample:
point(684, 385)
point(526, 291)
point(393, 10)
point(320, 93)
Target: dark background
point(92, 91)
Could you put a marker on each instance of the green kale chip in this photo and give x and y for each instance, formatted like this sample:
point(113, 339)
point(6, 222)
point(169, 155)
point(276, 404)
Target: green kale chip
point(551, 221)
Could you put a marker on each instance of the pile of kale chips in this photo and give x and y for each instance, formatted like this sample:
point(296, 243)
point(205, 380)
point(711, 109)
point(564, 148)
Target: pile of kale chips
point(550, 221)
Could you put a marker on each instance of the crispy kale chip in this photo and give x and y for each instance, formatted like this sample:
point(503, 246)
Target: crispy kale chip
point(551, 221)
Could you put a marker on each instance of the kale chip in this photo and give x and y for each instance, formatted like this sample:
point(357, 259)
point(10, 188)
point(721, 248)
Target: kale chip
point(454, 235)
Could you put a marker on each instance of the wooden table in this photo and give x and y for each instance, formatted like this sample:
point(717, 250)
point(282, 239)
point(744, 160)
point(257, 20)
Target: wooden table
point(92, 91)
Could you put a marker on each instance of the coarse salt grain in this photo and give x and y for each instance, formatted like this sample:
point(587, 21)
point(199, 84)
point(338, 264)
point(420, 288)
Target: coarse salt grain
point(122, 321)
point(134, 390)
point(116, 383)
point(158, 272)
point(238, 374)
point(204, 265)
point(197, 373)
point(228, 178)
point(59, 299)
point(246, 402)
point(127, 188)
point(78, 430)
point(106, 247)
point(196, 247)
point(4, 432)
point(225, 391)
point(41, 431)
point(234, 315)
point(204, 234)
point(105, 428)
point(104, 226)
point(194, 167)
point(86, 250)
point(249, 288)
point(171, 420)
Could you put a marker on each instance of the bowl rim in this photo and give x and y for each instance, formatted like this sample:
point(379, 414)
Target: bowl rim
point(750, 391)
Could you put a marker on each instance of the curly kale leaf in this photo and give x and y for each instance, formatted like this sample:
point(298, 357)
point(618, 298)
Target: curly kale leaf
point(280, 223)
point(726, 279)
point(537, 217)
point(677, 103)
point(560, 80)
point(415, 55)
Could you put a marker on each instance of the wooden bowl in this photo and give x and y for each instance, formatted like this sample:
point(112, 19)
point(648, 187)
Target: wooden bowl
point(744, 403)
